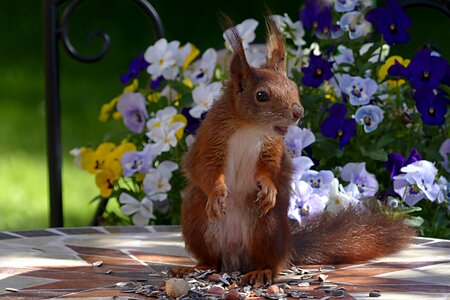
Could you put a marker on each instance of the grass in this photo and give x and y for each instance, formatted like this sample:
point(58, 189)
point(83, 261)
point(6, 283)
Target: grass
point(85, 87)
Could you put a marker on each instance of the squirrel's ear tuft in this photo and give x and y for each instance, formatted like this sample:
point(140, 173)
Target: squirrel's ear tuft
point(275, 46)
point(239, 67)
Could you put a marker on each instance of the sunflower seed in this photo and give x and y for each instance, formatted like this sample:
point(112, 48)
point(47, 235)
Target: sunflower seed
point(11, 290)
point(374, 294)
point(97, 263)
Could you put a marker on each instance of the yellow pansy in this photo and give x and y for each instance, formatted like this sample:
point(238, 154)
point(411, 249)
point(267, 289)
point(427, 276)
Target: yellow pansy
point(154, 97)
point(107, 178)
point(117, 115)
point(106, 109)
point(132, 87)
point(191, 57)
point(182, 119)
point(187, 82)
point(121, 149)
point(383, 71)
point(93, 161)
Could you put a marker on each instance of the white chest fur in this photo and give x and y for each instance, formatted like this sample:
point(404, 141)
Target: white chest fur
point(243, 151)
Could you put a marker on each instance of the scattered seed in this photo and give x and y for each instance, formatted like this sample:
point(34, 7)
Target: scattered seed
point(11, 290)
point(374, 294)
point(108, 272)
point(303, 284)
point(323, 277)
point(97, 263)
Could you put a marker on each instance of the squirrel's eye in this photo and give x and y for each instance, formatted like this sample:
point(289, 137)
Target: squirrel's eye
point(262, 96)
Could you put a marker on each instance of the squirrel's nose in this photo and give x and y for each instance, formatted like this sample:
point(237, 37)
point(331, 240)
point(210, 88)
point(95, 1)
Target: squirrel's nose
point(297, 111)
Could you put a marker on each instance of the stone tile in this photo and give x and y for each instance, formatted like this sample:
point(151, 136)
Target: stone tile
point(401, 296)
point(109, 262)
point(98, 251)
point(20, 282)
point(80, 230)
point(126, 229)
point(436, 273)
point(103, 293)
point(34, 233)
point(5, 236)
point(168, 228)
point(161, 258)
point(442, 244)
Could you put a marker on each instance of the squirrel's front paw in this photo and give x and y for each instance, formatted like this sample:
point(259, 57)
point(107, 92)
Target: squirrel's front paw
point(267, 195)
point(215, 207)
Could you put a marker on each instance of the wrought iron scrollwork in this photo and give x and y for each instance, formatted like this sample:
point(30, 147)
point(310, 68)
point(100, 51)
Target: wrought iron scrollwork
point(105, 38)
point(440, 5)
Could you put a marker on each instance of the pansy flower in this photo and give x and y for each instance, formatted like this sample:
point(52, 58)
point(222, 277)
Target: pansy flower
point(359, 90)
point(316, 15)
point(157, 180)
point(369, 116)
point(319, 180)
point(396, 161)
point(204, 96)
point(431, 105)
point(162, 57)
point(137, 65)
point(338, 198)
point(337, 126)
point(345, 5)
point(317, 71)
point(291, 30)
point(142, 210)
point(297, 139)
point(444, 151)
point(357, 175)
point(132, 108)
point(246, 31)
point(137, 161)
point(304, 202)
point(204, 68)
point(355, 24)
point(391, 21)
point(383, 71)
point(424, 70)
point(417, 182)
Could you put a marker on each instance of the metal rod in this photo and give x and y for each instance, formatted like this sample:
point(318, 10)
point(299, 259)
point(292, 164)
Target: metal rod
point(52, 109)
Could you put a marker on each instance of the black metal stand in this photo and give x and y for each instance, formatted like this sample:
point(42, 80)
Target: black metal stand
point(53, 31)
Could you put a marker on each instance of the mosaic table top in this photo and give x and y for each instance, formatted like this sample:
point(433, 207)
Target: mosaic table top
point(58, 264)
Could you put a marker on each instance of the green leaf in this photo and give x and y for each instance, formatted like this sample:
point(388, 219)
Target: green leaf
point(385, 140)
point(375, 154)
point(414, 221)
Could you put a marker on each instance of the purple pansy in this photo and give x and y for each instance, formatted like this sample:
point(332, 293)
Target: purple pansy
point(154, 84)
point(358, 89)
point(360, 180)
point(396, 161)
point(417, 182)
point(337, 126)
point(317, 71)
point(425, 70)
point(132, 108)
point(297, 139)
point(391, 21)
point(319, 181)
point(137, 161)
point(316, 15)
point(431, 105)
point(136, 66)
point(369, 116)
point(444, 151)
point(304, 202)
point(192, 123)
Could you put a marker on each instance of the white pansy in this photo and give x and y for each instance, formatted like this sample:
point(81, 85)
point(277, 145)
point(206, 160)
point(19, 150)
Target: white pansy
point(164, 137)
point(204, 68)
point(204, 96)
point(142, 210)
point(162, 57)
point(163, 117)
point(157, 180)
point(338, 198)
point(76, 153)
point(169, 93)
point(256, 56)
point(291, 30)
point(246, 31)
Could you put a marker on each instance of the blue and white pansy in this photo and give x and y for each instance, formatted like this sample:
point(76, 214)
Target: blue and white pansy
point(369, 116)
point(319, 180)
point(157, 180)
point(355, 24)
point(142, 210)
point(417, 182)
point(297, 139)
point(362, 183)
point(204, 68)
point(359, 90)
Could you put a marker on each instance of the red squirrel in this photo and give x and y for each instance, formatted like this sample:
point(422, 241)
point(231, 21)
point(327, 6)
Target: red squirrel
point(234, 209)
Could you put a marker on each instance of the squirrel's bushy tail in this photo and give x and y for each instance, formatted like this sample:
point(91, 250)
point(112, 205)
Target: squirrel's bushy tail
point(353, 234)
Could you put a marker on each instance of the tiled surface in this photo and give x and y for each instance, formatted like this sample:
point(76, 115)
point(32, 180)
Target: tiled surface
point(57, 264)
